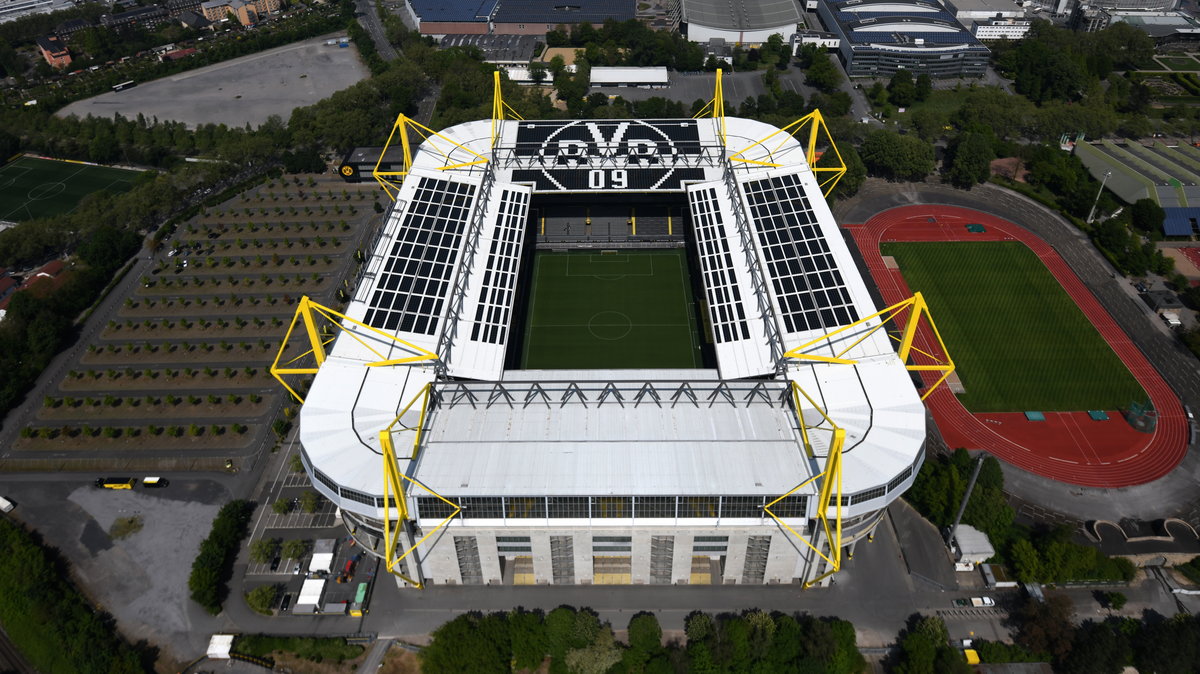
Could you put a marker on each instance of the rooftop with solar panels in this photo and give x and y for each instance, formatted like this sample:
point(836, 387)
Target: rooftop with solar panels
point(614, 307)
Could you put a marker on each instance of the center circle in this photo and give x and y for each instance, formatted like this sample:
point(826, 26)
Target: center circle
point(610, 325)
point(46, 191)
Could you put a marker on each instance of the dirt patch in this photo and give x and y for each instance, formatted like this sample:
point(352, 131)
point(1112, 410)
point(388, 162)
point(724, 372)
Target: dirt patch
point(290, 663)
point(400, 661)
point(1010, 167)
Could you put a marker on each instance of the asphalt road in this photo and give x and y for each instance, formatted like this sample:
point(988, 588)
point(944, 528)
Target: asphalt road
point(1175, 494)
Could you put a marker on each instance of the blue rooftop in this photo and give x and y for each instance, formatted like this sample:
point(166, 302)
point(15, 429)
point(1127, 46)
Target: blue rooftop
point(1181, 221)
point(454, 10)
point(564, 11)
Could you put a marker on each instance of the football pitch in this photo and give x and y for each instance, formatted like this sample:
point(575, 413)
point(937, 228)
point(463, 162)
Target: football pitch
point(626, 309)
point(38, 188)
point(1017, 338)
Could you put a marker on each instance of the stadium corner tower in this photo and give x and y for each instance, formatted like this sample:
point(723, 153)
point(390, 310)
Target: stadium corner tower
point(490, 410)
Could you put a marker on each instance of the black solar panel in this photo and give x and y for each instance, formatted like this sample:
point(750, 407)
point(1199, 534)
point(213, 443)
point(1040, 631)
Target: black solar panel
point(608, 155)
point(500, 278)
point(808, 285)
point(416, 275)
point(725, 308)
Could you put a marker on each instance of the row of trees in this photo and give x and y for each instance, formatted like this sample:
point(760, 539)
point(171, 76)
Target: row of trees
point(577, 641)
point(630, 43)
point(213, 566)
point(1041, 555)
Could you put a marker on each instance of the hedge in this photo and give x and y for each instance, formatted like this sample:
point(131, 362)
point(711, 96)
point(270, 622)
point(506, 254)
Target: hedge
point(214, 564)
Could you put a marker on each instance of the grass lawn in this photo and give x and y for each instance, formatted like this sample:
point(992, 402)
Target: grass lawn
point(630, 309)
point(1179, 62)
point(1019, 341)
point(38, 188)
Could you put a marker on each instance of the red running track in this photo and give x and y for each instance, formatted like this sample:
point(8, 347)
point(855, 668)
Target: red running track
point(1068, 447)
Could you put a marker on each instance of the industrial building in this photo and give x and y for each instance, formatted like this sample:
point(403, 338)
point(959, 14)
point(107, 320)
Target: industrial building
point(742, 22)
point(512, 17)
point(879, 37)
point(766, 463)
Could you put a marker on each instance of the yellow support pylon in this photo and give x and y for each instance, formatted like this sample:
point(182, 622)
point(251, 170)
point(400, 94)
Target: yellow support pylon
point(499, 107)
point(830, 490)
point(716, 107)
point(393, 495)
point(816, 124)
point(918, 308)
point(307, 312)
point(390, 181)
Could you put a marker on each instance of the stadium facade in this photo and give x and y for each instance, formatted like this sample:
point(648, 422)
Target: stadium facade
point(767, 465)
point(879, 37)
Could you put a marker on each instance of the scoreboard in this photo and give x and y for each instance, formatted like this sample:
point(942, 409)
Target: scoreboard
point(602, 155)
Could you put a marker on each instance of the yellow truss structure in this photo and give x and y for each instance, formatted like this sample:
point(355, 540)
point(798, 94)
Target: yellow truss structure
point(918, 308)
point(827, 176)
point(831, 487)
point(393, 491)
point(308, 312)
point(716, 107)
point(390, 180)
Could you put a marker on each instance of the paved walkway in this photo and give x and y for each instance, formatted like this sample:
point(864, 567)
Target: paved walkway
point(1175, 494)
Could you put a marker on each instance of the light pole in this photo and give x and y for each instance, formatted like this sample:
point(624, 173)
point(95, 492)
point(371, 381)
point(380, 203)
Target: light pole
point(1107, 175)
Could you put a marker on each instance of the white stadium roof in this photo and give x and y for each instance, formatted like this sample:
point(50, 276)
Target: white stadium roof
point(443, 276)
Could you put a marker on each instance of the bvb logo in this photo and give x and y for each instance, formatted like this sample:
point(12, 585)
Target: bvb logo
point(347, 170)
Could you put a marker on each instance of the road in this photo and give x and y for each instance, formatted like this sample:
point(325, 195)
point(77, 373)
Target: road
point(368, 18)
point(1175, 494)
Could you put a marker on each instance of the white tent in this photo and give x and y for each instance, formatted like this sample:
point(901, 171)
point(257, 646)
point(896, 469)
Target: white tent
point(322, 559)
point(219, 646)
point(310, 592)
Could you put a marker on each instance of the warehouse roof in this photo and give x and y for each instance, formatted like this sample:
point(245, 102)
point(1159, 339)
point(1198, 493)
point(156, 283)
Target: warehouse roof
point(563, 11)
point(454, 10)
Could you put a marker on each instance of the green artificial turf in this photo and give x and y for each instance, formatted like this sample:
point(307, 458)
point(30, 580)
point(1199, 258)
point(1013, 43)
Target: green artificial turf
point(38, 188)
point(628, 309)
point(1018, 340)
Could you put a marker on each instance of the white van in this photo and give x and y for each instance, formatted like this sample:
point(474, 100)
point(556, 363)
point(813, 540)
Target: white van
point(6, 505)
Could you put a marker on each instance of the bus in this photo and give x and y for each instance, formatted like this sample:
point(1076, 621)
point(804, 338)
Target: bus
point(116, 482)
point(123, 86)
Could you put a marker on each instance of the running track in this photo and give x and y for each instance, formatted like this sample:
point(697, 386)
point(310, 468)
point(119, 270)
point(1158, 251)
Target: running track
point(1100, 460)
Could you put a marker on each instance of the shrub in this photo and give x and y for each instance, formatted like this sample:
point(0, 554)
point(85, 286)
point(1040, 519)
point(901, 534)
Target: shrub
point(262, 598)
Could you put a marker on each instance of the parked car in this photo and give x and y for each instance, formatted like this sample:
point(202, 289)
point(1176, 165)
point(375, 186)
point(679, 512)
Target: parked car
point(287, 602)
point(275, 564)
point(975, 602)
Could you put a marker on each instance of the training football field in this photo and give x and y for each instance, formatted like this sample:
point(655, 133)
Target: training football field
point(1017, 338)
point(38, 188)
point(623, 309)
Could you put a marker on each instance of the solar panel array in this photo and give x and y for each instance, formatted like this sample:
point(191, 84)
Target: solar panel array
point(555, 13)
point(500, 278)
point(417, 272)
point(725, 306)
point(808, 285)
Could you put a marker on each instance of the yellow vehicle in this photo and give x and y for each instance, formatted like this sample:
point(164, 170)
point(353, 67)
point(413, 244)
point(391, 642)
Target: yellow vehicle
point(116, 482)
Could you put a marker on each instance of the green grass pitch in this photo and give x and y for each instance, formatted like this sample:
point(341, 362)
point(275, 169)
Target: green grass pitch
point(630, 309)
point(38, 188)
point(1018, 340)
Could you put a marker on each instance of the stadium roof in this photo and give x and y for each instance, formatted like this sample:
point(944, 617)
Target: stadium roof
point(453, 10)
point(563, 11)
point(775, 271)
point(742, 14)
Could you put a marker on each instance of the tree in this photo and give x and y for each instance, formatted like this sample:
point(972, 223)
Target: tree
point(1147, 216)
point(309, 501)
point(890, 155)
point(924, 86)
point(902, 92)
point(294, 548)
point(469, 643)
point(262, 598)
point(971, 160)
point(264, 550)
point(281, 506)
point(538, 72)
point(1099, 648)
point(527, 637)
point(821, 73)
point(645, 642)
point(1045, 627)
point(856, 174)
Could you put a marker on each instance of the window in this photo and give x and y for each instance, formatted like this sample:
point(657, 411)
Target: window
point(864, 496)
point(431, 507)
point(741, 506)
point(654, 506)
point(481, 507)
point(525, 507)
point(612, 506)
point(568, 507)
point(698, 506)
point(791, 506)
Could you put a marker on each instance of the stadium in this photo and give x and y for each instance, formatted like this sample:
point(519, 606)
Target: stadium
point(612, 352)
